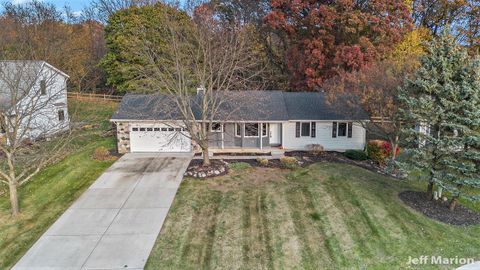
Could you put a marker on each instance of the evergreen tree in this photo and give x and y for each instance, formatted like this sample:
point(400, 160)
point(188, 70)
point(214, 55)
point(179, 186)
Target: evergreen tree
point(443, 99)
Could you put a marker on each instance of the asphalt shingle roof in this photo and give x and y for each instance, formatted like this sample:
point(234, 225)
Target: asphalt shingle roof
point(238, 106)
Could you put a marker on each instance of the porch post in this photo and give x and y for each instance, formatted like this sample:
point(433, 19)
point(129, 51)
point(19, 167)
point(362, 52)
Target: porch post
point(260, 135)
point(242, 132)
point(223, 136)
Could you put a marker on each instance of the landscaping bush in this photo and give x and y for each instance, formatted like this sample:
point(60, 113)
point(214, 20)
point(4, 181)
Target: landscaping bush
point(101, 153)
point(239, 166)
point(289, 162)
point(356, 154)
point(315, 149)
point(262, 161)
point(379, 150)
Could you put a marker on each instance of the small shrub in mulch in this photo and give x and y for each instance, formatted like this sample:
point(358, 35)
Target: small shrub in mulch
point(262, 162)
point(197, 170)
point(439, 210)
point(103, 154)
point(289, 162)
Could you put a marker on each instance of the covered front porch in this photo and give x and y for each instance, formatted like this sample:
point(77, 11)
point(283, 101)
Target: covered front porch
point(246, 137)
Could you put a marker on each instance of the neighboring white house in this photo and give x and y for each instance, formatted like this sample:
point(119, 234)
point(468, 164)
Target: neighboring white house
point(33, 97)
point(262, 121)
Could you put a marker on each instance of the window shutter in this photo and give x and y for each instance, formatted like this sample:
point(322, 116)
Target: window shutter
point(313, 135)
point(297, 129)
point(349, 132)
point(334, 130)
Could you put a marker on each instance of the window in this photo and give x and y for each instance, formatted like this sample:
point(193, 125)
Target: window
point(178, 129)
point(134, 129)
point(61, 115)
point(149, 129)
point(314, 130)
point(238, 131)
point(164, 129)
point(156, 129)
point(342, 130)
point(305, 130)
point(171, 129)
point(251, 129)
point(350, 127)
point(264, 130)
point(142, 129)
point(43, 87)
point(216, 127)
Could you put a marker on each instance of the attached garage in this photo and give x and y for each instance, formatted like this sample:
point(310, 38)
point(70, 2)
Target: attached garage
point(159, 138)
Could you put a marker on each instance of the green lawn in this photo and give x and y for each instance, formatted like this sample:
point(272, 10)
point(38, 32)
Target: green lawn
point(328, 216)
point(55, 188)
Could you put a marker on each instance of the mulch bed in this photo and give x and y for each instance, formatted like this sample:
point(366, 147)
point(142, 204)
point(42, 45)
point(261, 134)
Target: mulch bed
point(439, 210)
point(197, 170)
point(305, 159)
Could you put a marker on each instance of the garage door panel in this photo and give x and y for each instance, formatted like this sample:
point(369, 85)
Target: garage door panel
point(158, 139)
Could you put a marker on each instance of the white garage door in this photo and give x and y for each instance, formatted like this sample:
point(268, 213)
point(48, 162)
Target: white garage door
point(159, 138)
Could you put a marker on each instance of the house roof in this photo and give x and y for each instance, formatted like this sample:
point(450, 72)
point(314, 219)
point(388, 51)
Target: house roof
point(238, 106)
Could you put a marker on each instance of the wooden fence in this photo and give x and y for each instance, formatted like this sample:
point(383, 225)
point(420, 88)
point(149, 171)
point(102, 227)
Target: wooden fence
point(92, 96)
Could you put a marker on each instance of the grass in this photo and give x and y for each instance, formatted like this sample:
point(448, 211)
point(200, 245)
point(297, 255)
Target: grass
point(327, 216)
point(56, 187)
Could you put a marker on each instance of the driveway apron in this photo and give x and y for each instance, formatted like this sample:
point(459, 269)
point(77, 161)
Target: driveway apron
point(115, 223)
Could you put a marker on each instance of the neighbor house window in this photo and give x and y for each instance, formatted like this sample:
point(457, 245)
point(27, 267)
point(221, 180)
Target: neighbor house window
point(305, 130)
point(43, 87)
point(216, 127)
point(251, 129)
point(61, 115)
point(134, 129)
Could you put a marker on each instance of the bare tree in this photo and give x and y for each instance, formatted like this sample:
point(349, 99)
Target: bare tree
point(207, 55)
point(29, 96)
point(374, 90)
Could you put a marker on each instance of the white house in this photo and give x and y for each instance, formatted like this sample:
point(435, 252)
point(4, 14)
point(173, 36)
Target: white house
point(257, 121)
point(33, 98)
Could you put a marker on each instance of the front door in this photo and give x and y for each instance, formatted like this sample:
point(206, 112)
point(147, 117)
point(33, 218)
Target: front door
point(275, 134)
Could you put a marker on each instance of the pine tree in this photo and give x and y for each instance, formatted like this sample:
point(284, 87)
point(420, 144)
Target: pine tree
point(443, 98)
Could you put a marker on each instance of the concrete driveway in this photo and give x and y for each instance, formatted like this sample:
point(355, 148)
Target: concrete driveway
point(115, 223)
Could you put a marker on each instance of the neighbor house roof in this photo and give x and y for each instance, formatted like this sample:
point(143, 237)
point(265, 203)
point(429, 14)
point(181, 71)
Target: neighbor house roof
point(238, 106)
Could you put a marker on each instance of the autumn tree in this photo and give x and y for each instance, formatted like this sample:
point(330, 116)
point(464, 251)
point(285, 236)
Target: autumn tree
point(41, 32)
point(324, 37)
point(123, 33)
point(444, 98)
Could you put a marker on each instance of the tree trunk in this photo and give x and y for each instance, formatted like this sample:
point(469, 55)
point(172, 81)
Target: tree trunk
point(430, 191)
point(206, 157)
point(453, 203)
point(14, 199)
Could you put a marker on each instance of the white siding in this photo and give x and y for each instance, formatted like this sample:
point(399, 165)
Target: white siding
point(45, 120)
point(323, 137)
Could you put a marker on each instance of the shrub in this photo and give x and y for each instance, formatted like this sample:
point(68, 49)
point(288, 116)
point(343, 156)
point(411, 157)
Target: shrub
point(289, 162)
point(315, 149)
point(101, 153)
point(239, 166)
point(356, 154)
point(262, 161)
point(379, 150)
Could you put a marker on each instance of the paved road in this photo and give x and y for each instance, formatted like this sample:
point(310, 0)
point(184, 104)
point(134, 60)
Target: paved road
point(115, 223)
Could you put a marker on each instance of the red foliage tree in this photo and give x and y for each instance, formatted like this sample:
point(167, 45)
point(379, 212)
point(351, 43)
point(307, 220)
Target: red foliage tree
point(325, 36)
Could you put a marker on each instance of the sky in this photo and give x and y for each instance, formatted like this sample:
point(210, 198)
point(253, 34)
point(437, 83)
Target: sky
point(76, 5)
